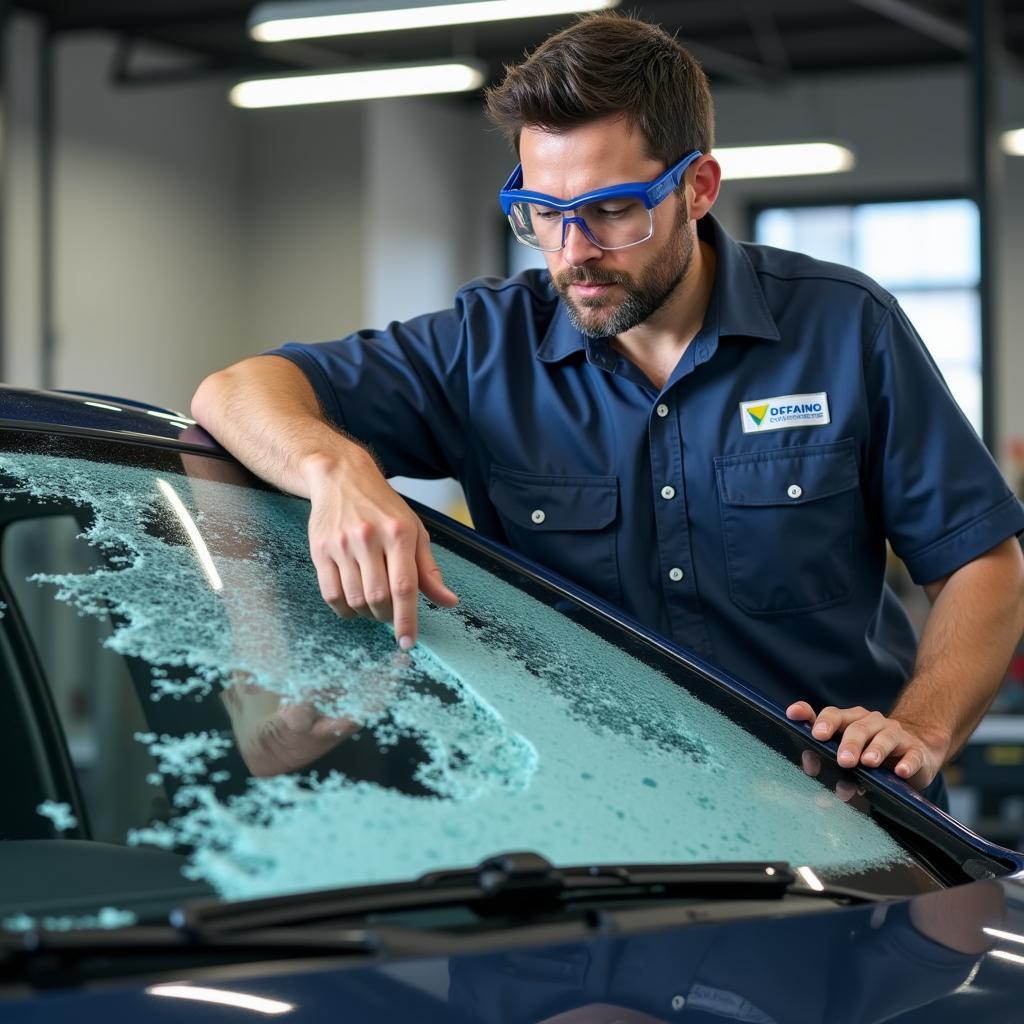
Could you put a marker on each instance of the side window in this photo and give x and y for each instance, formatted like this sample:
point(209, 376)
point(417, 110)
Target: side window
point(91, 686)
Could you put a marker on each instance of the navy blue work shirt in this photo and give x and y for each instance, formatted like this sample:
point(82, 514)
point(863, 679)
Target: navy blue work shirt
point(742, 510)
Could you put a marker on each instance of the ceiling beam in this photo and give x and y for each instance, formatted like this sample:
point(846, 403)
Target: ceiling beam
point(730, 65)
point(934, 26)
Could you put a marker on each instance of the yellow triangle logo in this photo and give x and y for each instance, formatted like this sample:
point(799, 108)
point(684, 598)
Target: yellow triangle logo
point(757, 412)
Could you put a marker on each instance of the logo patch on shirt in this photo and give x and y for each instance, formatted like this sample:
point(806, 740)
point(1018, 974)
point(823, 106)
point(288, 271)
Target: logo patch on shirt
point(784, 411)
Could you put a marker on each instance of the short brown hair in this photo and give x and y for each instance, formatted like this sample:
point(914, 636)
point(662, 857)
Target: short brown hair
point(608, 64)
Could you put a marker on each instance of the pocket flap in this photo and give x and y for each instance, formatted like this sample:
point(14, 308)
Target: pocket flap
point(787, 476)
point(554, 502)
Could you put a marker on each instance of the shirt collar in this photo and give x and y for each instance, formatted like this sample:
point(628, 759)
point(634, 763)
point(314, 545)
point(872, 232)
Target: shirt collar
point(744, 313)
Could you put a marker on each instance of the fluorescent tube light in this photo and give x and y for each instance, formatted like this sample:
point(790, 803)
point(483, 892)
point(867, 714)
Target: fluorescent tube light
point(1013, 142)
point(366, 84)
point(783, 161)
point(276, 22)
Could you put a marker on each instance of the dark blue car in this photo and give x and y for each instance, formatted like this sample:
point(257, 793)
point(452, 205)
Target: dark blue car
point(223, 803)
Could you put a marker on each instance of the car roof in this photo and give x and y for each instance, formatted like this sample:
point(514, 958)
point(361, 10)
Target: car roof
point(89, 412)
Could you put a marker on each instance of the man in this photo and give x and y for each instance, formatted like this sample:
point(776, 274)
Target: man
point(718, 437)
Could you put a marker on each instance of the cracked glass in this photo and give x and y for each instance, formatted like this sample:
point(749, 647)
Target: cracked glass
point(216, 725)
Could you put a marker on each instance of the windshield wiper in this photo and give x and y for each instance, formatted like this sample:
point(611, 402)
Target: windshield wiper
point(47, 959)
point(518, 884)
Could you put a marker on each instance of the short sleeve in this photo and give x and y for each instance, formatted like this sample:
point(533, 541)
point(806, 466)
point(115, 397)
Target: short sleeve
point(942, 500)
point(401, 391)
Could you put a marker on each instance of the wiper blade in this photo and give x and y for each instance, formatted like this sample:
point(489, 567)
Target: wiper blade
point(49, 959)
point(516, 884)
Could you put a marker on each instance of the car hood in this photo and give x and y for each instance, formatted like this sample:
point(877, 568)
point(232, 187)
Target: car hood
point(938, 957)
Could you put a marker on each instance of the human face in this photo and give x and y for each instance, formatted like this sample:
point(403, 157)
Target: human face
point(607, 292)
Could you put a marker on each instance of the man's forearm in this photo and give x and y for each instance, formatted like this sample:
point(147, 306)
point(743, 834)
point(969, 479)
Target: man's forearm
point(969, 637)
point(370, 551)
point(264, 411)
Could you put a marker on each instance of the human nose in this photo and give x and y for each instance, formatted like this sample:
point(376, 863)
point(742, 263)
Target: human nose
point(577, 248)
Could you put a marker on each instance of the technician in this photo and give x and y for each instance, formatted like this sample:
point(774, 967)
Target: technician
point(718, 437)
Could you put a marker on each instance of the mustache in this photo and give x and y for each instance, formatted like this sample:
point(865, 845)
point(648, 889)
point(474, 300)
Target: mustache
point(592, 275)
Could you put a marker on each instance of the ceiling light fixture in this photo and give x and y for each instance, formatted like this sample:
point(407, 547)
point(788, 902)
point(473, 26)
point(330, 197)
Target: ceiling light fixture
point(364, 84)
point(783, 160)
point(1013, 142)
point(277, 22)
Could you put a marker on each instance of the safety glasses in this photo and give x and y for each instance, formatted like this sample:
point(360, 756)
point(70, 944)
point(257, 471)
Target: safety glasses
point(615, 217)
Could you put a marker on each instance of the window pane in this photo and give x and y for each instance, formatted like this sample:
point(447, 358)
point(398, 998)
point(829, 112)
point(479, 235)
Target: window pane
point(918, 243)
point(824, 232)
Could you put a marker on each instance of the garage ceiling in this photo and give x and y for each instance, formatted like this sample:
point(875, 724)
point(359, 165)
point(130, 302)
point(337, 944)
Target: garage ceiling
point(737, 40)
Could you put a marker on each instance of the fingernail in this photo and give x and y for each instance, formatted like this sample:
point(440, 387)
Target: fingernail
point(821, 729)
point(871, 757)
point(406, 643)
point(846, 756)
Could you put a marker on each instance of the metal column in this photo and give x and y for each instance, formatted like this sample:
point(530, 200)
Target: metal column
point(46, 125)
point(5, 163)
point(987, 179)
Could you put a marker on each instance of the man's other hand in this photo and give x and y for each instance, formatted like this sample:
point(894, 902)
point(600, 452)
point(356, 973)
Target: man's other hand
point(371, 552)
point(873, 740)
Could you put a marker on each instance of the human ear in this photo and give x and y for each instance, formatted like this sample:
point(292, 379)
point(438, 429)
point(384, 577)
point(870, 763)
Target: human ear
point(704, 179)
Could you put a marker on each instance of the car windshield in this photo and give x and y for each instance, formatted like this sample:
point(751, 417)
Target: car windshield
point(183, 715)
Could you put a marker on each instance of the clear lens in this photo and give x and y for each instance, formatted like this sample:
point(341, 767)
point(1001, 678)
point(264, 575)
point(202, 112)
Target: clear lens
point(611, 224)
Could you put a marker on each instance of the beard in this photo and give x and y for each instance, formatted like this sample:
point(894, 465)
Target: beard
point(603, 317)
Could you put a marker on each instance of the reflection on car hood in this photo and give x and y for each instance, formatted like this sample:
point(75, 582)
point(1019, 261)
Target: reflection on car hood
point(935, 958)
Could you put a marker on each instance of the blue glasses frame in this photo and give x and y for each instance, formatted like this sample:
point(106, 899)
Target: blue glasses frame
point(650, 193)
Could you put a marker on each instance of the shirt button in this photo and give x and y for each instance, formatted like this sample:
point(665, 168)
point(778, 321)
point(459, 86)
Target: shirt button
point(675, 575)
point(795, 490)
point(668, 492)
point(661, 410)
point(537, 515)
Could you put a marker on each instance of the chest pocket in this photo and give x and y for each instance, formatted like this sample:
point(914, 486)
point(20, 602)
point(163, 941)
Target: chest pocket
point(787, 525)
point(564, 522)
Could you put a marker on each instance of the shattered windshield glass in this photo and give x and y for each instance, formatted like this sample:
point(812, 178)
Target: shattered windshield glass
point(218, 718)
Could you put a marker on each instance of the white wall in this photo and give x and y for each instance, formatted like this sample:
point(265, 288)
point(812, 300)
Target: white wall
point(434, 168)
point(303, 216)
point(148, 268)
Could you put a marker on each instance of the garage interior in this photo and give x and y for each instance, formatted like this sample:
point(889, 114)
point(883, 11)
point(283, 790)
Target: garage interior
point(152, 232)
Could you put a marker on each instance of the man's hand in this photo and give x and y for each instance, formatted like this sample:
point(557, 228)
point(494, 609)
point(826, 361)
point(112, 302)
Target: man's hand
point(872, 739)
point(371, 552)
